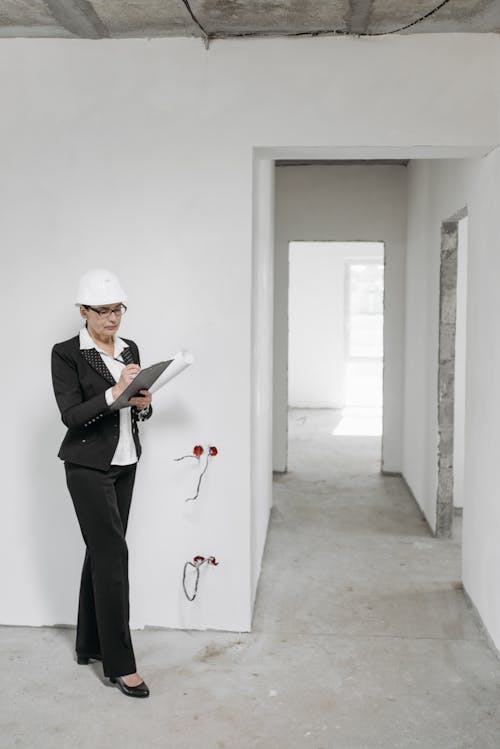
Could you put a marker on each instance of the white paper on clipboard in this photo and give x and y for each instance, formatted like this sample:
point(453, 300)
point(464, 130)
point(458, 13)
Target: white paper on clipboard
point(161, 373)
point(181, 361)
point(142, 381)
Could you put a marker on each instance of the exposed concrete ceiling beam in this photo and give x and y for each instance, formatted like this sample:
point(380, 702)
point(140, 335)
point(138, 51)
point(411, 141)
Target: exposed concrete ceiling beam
point(358, 16)
point(78, 17)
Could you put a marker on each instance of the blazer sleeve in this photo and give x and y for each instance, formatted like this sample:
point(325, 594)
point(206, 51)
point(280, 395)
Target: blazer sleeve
point(138, 413)
point(75, 412)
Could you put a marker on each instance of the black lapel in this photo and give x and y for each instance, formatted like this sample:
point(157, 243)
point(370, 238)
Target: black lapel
point(93, 357)
point(128, 356)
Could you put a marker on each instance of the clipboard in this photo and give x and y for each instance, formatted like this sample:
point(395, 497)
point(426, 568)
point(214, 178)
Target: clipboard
point(141, 381)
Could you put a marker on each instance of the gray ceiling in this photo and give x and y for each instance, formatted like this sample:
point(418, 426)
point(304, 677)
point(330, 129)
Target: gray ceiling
point(215, 19)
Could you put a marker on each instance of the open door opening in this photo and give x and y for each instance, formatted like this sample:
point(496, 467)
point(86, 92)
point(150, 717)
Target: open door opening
point(336, 320)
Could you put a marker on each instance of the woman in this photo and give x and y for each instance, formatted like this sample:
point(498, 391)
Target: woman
point(100, 452)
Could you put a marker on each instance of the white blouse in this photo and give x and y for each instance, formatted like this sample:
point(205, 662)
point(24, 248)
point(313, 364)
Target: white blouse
point(125, 452)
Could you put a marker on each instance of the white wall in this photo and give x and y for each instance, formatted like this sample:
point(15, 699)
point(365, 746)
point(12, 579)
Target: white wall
point(438, 190)
point(138, 155)
point(317, 319)
point(261, 471)
point(344, 203)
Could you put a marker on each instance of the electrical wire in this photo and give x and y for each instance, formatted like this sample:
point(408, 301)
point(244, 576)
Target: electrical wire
point(196, 563)
point(207, 37)
point(197, 453)
point(408, 25)
point(199, 482)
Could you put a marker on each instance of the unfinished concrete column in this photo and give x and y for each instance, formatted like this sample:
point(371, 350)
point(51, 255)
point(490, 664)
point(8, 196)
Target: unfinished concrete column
point(446, 376)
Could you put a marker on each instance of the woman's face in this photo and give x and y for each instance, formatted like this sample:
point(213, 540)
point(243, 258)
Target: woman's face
point(102, 325)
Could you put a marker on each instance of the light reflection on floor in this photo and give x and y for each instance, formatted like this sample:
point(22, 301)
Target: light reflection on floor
point(359, 420)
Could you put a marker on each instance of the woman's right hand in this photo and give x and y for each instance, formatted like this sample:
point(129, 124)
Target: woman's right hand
point(127, 375)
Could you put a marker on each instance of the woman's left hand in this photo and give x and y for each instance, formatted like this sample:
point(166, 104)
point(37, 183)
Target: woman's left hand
point(142, 401)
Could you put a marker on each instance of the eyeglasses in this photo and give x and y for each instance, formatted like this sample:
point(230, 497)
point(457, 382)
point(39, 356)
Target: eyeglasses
point(118, 311)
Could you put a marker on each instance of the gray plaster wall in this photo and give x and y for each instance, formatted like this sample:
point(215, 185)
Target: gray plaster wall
point(446, 375)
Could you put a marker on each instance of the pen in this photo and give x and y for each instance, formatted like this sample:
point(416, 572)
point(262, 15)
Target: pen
point(121, 362)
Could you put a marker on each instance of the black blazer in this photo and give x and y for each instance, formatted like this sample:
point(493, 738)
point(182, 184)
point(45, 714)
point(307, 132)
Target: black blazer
point(80, 378)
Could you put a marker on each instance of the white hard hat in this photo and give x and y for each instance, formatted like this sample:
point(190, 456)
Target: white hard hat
point(99, 286)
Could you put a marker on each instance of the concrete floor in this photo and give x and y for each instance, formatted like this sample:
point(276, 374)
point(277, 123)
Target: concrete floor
point(362, 636)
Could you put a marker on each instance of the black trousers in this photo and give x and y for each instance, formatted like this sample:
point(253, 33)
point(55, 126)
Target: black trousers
point(102, 503)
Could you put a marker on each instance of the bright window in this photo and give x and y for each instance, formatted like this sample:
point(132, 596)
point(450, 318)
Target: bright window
point(364, 310)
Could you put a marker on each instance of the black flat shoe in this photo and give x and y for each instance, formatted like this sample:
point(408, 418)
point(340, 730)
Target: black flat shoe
point(83, 660)
point(141, 690)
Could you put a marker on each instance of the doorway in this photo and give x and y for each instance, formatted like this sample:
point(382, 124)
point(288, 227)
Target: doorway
point(335, 334)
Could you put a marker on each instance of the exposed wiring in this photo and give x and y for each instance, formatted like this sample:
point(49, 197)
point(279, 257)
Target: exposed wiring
point(199, 482)
point(318, 32)
point(196, 563)
point(205, 35)
point(197, 453)
point(408, 25)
